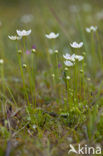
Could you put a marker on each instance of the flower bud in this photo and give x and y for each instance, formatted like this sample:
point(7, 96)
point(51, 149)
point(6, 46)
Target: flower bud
point(68, 77)
point(19, 51)
point(33, 50)
point(1, 61)
point(66, 69)
point(24, 66)
point(56, 51)
point(53, 75)
point(81, 71)
point(88, 79)
point(84, 53)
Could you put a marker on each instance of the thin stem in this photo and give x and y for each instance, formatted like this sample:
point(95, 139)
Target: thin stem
point(3, 87)
point(33, 78)
point(22, 75)
point(99, 50)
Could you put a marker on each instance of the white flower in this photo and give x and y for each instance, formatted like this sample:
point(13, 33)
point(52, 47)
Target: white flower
point(88, 30)
point(1, 61)
point(76, 45)
point(73, 57)
point(91, 29)
point(66, 56)
point(23, 32)
point(69, 57)
point(34, 126)
point(79, 57)
point(52, 35)
point(56, 51)
point(15, 38)
point(68, 77)
point(68, 63)
point(24, 66)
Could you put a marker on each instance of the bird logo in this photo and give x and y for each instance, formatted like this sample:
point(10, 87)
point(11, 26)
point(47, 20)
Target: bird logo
point(72, 149)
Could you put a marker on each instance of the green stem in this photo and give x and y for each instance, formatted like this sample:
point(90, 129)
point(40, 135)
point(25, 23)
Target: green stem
point(22, 75)
point(3, 87)
point(68, 93)
point(93, 53)
point(83, 80)
point(99, 51)
point(34, 78)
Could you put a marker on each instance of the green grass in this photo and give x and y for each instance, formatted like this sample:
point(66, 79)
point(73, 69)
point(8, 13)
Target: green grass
point(42, 111)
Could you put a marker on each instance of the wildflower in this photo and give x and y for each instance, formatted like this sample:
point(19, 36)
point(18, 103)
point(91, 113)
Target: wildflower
point(56, 51)
point(66, 56)
point(84, 53)
point(27, 52)
point(81, 71)
point(52, 35)
point(88, 79)
point(68, 63)
point(69, 57)
point(78, 57)
point(23, 32)
point(59, 65)
point(33, 50)
point(66, 69)
point(1, 61)
point(53, 75)
point(19, 51)
point(15, 38)
point(68, 77)
point(73, 57)
point(76, 45)
point(33, 47)
point(91, 29)
point(24, 66)
point(34, 126)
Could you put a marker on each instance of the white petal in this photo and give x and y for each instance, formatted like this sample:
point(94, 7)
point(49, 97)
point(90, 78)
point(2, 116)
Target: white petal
point(1, 61)
point(80, 44)
point(88, 30)
point(23, 32)
point(68, 63)
point(52, 35)
point(76, 45)
point(12, 37)
point(66, 56)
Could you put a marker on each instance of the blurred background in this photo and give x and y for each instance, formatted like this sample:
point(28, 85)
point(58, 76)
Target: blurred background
point(67, 17)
